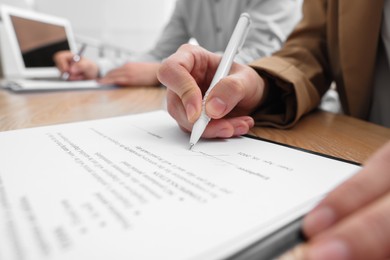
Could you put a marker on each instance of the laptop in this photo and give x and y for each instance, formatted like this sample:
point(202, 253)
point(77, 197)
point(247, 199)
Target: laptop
point(33, 40)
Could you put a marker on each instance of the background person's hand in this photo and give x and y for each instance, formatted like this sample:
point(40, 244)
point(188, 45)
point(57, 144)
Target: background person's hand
point(81, 70)
point(133, 74)
point(353, 221)
point(188, 73)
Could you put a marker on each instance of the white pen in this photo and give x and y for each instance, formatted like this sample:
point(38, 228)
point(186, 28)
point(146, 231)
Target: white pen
point(235, 43)
point(76, 58)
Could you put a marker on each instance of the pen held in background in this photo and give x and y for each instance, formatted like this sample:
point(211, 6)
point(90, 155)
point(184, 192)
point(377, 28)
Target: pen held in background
point(76, 58)
point(235, 43)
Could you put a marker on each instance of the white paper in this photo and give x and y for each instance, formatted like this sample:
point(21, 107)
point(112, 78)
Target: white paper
point(129, 188)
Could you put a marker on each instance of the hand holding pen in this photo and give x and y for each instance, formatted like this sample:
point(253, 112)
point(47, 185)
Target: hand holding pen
point(188, 73)
point(74, 67)
point(235, 43)
point(76, 58)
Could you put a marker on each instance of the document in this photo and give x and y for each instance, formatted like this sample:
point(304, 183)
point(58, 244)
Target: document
point(129, 188)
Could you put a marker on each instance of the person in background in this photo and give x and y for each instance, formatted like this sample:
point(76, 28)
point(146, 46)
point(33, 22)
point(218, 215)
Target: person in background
point(341, 41)
point(211, 23)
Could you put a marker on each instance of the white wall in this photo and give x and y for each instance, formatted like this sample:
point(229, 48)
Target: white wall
point(17, 3)
point(129, 24)
point(132, 24)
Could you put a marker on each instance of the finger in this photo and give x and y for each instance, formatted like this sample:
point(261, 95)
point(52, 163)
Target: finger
point(175, 73)
point(62, 60)
point(76, 76)
point(77, 68)
point(369, 184)
point(363, 235)
point(177, 111)
point(224, 97)
point(85, 68)
point(222, 128)
point(73, 77)
point(241, 91)
point(228, 127)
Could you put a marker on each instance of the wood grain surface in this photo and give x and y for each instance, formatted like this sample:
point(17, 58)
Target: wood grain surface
point(332, 134)
point(21, 110)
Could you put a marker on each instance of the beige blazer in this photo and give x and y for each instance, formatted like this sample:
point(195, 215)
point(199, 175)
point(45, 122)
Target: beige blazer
point(337, 41)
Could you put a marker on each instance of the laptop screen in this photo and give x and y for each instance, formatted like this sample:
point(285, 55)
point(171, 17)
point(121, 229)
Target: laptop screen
point(34, 38)
point(39, 41)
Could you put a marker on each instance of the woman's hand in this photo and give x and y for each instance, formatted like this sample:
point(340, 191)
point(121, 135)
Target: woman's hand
point(187, 75)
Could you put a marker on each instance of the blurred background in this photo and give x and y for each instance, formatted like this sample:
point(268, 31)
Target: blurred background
point(116, 28)
point(110, 27)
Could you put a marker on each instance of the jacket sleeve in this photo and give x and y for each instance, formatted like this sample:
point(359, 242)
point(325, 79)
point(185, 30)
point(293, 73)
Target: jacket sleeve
point(298, 74)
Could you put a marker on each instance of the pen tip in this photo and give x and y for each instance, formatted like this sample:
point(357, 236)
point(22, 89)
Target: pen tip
point(191, 145)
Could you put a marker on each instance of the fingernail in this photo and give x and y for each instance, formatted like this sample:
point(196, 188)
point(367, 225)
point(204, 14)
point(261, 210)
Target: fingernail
point(191, 111)
point(250, 122)
point(318, 220)
point(332, 249)
point(216, 107)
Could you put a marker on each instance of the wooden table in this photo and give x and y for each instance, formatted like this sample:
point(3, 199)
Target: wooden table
point(332, 134)
point(323, 132)
point(21, 110)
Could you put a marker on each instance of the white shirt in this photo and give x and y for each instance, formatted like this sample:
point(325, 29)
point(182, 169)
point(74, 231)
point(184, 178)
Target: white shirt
point(380, 110)
point(211, 23)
